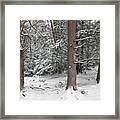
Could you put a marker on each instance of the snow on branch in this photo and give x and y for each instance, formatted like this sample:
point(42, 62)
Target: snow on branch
point(86, 60)
point(26, 35)
point(83, 38)
point(80, 45)
point(78, 62)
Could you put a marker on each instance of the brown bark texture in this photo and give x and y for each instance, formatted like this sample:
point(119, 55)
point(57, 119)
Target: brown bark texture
point(71, 81)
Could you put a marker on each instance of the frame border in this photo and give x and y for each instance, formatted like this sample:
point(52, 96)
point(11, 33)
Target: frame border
point(62, 2)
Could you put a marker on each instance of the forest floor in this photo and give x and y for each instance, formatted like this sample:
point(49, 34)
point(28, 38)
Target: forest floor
point(53, 87)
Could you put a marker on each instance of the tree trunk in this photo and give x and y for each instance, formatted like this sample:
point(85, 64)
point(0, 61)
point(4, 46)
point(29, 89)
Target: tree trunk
point(30, 52)
point(98, 74)
point(77, 68)
point(71, 81)
point(54, 32)
point(21, 69)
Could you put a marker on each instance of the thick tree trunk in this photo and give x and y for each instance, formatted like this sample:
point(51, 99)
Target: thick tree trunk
point(71, 81)
point(21, 69)
point(98, 74)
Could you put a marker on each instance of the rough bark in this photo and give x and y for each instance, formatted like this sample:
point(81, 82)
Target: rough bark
point(71, 81)
point(21, 69)
point(98, 74)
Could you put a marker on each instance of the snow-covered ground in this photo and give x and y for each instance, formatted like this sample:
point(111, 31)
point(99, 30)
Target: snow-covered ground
point(53, 88)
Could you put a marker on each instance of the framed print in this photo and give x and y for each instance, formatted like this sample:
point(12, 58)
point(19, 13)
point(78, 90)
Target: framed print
point(60, 60)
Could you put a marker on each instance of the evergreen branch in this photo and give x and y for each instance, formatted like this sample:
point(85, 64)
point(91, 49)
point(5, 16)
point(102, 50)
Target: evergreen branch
point(83, 38)
point(86, 60)
point(79, 46)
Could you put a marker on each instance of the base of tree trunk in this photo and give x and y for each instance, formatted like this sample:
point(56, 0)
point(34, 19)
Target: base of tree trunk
point(72, 87)
point(21, 84)
point(98, 74)
point(98, 80)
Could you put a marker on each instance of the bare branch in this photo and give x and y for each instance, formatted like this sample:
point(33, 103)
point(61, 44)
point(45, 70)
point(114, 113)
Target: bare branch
point(32, 25)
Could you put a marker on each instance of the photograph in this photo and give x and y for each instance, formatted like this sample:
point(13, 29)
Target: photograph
point(60, 59)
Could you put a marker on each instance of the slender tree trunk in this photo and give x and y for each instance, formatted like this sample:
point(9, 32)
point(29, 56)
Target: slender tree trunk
point(21, 69)
point(31, 61)
point(77, 56)
point(71, 81)
point(30, 52)
point(98, 74)
point(52, 22)
point(77, 68)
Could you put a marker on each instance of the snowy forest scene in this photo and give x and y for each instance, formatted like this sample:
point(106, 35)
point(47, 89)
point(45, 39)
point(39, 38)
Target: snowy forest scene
point(60, 59)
